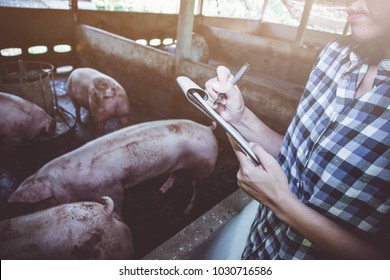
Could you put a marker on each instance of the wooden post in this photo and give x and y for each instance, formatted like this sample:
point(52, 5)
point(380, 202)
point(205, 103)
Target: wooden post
point(200, 4)
point(304, 20)
point(74, 7)
point(346, 28)
point(184, 29)
point(265, 4)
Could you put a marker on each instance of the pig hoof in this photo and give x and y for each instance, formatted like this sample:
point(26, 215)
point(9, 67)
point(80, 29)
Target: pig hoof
point(191, 204)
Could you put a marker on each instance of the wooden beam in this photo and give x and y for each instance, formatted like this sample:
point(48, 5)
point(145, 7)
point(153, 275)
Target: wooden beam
point(346, 28)
point(304, 20)
point(75, 7)
point(184, 29)
point(200, 6)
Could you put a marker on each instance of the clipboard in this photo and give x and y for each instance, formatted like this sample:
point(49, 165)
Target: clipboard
point(197, 96)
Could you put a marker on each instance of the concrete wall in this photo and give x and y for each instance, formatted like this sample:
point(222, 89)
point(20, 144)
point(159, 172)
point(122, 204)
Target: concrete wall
point(149, 77)
point(24, 28)
point(132, 25)
point(148, 74)
point(270, 48)
point(313, 38)
point(276, 58)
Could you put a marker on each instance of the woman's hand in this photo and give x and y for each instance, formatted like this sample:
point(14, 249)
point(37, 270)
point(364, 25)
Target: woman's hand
point(232, 107)
point(267, 183)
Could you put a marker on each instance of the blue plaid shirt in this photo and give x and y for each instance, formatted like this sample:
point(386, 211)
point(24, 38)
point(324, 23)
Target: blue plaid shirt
point(336, 156)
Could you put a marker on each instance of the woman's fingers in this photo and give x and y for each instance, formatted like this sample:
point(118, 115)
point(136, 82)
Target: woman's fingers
point(210, 84)
point(267, 161)
point(223, 74)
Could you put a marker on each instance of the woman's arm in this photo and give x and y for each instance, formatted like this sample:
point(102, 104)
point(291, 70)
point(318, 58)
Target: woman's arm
point(254, 130)
point(268, 184)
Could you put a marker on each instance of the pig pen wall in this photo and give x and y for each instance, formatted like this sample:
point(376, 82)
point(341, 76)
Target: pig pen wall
point(149, 77)
point(269, 48)
point(272, 57)
point(25, 28)
point(132, 25)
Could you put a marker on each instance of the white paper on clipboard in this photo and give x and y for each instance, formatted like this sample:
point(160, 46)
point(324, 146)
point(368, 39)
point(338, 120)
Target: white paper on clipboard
point(195, 95)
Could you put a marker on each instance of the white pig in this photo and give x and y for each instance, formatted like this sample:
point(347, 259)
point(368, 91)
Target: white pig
point(22, 120)
point(124, 158)
point(100, 94)
point(81, 230)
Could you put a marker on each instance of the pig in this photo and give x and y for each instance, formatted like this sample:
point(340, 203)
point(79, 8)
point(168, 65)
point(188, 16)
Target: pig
point(100, 94)
point(80, 230)
point(124, 158)
point(22, 120)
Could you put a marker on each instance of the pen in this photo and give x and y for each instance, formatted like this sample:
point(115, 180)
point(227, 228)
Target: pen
point(235, 79)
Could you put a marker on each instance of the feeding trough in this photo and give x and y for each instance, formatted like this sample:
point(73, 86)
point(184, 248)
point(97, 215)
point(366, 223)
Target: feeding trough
point(34, 81)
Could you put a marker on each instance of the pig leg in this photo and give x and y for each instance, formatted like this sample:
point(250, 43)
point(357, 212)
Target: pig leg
point(191, 204)
point(12, 142)
point(99, 127)
point(168, 183)
point(76, 105)
point(77, 110)
point(123, 121)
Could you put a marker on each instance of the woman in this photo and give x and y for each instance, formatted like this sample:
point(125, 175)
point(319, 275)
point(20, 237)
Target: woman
point(327, 193)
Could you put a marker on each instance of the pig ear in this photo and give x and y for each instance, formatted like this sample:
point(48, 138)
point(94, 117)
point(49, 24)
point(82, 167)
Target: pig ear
point(31, 191)
point(108, 205)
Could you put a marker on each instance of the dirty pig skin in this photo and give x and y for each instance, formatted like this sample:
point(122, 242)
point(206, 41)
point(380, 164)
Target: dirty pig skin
point(22, 120)
point(80, 230)
point(121, 159)
point(100, 94)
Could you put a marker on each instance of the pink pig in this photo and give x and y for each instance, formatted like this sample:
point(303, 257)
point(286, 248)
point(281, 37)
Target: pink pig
point(20, 119)
point(121, 159)
point(104, 97)
point(81, 230)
